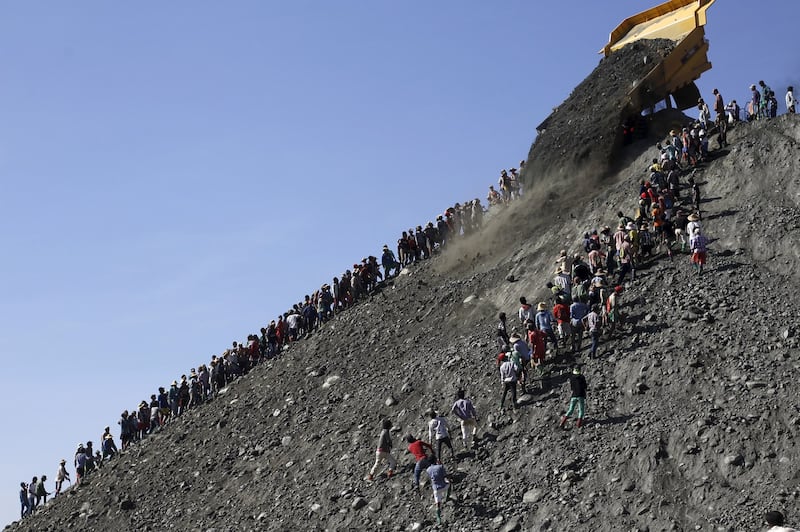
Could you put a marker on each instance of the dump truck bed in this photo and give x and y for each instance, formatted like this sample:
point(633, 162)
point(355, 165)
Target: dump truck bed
point(680, 21)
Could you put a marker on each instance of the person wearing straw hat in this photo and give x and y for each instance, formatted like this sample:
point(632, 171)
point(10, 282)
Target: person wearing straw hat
point(544, 322)
point(693, 223)
point(577, 383)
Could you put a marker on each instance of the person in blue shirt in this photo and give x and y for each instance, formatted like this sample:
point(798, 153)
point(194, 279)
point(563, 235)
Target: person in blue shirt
point(440, 485)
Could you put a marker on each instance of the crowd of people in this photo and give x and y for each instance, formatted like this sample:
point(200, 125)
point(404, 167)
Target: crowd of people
point(586, 290)
point(586, 301)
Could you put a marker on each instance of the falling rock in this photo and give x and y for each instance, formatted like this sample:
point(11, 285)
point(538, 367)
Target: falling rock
point(510, 278)
point(533, 496)
point(316, 507)
point(512, 526)
point(470, 299)
point(330, 381)
point(358, 503)
point(734, 459)
point(390, 401)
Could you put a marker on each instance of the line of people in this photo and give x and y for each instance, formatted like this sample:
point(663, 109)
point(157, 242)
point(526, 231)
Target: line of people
point(205, 382)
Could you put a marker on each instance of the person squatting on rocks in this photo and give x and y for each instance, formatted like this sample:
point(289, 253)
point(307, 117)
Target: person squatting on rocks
point(577, 383)
point(383, 453)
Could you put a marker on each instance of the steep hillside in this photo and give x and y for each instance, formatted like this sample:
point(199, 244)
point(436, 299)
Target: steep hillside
point(692, 415)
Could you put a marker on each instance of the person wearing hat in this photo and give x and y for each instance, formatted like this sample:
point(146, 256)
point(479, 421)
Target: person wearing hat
point(544, 322)
point(577, 383)
point(776, 522)
point(61, 475)
point(439, 433)
point(383, 453)
point(694, 223)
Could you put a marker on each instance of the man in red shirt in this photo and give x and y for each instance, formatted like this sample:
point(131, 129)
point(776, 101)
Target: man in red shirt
point(561, 313)
point(420, 449)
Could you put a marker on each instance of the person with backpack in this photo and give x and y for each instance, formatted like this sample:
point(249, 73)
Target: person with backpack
point(422, 458)
point(383, 453)
point(439, 432)
point(465, 411)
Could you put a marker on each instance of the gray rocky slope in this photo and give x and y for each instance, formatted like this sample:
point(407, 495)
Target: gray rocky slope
point(692, 413)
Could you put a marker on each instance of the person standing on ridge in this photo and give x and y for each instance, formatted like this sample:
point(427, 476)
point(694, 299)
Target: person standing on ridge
point(577, 383)
point(61, 475)
point(465, 412)
point(790, 101)
point(25, 507)
point(384, 451)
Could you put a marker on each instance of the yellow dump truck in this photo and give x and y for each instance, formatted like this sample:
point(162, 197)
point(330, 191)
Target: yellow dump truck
point(681, 21)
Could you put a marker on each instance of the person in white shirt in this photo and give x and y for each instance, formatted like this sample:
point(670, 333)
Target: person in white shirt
point(438, 432)
point(790, 101)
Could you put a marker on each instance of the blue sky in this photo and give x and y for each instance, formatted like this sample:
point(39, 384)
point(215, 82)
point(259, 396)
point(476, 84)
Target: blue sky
point(174, 175)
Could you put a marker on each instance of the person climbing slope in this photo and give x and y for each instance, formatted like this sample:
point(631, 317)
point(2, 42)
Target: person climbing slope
point(384, 451)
